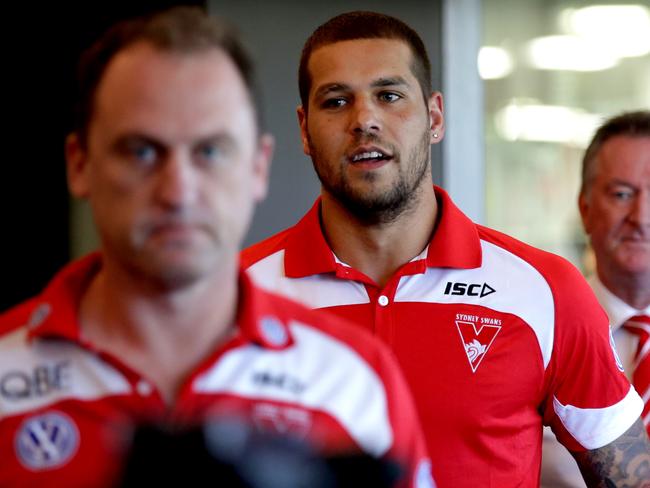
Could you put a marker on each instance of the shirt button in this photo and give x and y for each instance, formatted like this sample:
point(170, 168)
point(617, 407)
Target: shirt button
point(143, 388)
point(383, 300)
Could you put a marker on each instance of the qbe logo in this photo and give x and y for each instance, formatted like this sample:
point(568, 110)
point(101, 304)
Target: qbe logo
point(46, 441)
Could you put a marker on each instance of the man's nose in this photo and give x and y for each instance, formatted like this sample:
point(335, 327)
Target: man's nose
point(365, 117)
point(177, 181)
point(640, 211)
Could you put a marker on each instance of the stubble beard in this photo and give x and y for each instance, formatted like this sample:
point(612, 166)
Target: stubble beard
point(373, 208)
point(172, 265)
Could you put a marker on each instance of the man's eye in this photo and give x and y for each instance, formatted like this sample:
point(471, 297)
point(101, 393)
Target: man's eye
point(389, 97)
point(212, 153)
point(622, 195)
point(143, 153)
point(333, 103)
point(208, 151)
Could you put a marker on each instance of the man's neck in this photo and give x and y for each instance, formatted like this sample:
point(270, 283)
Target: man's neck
point(632, 289)
point(162, 335)
point(378, 250)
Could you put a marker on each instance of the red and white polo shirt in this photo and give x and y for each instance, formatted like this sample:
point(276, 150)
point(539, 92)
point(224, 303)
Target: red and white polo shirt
point(494, 337)
point(66, 407)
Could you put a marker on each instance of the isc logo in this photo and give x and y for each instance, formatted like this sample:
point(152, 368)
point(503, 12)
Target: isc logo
point(469, 289)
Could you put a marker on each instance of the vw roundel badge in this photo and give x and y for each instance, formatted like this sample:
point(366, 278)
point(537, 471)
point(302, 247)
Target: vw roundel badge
point(46, 441)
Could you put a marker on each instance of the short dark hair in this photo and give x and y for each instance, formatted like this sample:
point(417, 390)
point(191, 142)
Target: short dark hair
point(365, 25)
point(632, 124)
point(185, 30)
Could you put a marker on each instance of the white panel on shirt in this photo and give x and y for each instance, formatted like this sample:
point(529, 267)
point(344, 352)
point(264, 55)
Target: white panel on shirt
point(327, 376)
point(520, 290)
point(597, 427)
point(317, 291)
point(80, 373)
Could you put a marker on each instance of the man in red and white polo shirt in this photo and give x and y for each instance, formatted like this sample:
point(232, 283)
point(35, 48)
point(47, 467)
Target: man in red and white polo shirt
point(495, 337)
point(160, 326)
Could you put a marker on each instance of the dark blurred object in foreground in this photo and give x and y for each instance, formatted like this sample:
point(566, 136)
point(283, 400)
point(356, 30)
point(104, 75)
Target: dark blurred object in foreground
point(235, 455)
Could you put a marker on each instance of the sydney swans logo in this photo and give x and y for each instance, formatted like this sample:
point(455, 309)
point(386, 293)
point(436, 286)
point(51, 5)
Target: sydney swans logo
point(477, 334)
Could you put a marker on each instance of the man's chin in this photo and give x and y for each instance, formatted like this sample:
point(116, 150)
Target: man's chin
point(634, 257)
point(179, 269)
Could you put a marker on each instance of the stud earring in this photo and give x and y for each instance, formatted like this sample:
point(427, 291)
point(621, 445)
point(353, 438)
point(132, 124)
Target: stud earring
point(435, 135)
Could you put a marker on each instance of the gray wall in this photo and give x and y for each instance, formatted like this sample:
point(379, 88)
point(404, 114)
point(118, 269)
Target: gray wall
point(275, 32)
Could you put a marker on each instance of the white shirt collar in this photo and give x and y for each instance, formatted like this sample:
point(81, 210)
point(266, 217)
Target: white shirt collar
point(617, 310)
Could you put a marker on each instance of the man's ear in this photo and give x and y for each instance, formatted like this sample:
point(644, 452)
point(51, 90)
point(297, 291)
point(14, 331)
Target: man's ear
point(435, 105)
point(302, 121)
point(584, 207)
point(262, 166)
point(76, 166)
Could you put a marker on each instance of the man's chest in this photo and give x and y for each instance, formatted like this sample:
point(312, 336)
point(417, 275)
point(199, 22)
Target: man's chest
point(464, 363)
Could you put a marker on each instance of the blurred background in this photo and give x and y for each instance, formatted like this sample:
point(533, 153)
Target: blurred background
point(551, 71)
point(525, 84)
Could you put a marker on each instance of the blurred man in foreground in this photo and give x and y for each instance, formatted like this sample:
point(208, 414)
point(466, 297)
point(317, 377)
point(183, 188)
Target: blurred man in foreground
point(160, 326)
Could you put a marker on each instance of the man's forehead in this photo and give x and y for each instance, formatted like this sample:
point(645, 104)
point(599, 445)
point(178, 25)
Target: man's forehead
point(358, 56)
point(144, 73)
point(628, 146)
point(144, 56)
point(625, 154)
point(170, 95)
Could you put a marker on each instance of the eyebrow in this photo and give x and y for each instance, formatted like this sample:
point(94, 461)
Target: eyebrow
point(378, 83)
point(131, 137)
point(390, 81)
point(122, 141)
point(329, 88)
point(619, 182)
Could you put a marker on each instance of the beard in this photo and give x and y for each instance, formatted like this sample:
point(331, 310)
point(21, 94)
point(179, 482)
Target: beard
point(372, 207)
point(169, 262)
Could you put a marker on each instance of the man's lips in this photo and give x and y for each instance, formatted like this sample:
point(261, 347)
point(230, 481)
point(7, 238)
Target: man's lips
point(371, 156)
point(635, 240)
point(175, 230)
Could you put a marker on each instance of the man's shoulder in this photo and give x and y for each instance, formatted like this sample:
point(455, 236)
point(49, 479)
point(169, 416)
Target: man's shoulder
point(61, 292)
point(551, 266)
point(16, 317)
point(304, 236)
point(543, 281)
point(265, 248)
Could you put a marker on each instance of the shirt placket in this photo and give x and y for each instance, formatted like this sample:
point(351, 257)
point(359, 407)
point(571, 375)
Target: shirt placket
point(149, 402)
point(382, 303)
